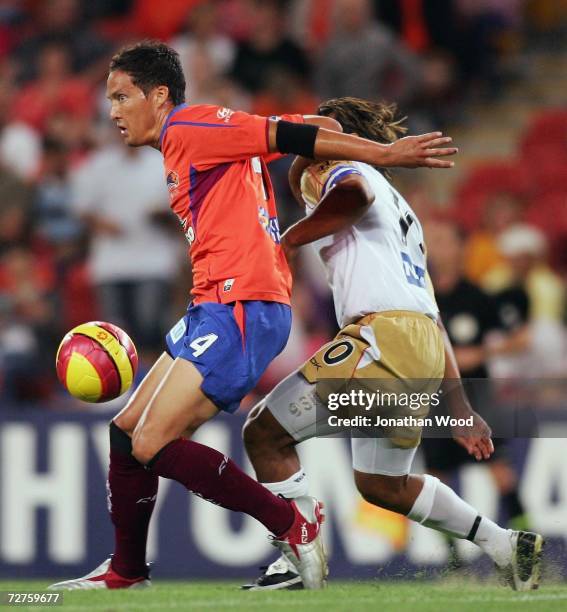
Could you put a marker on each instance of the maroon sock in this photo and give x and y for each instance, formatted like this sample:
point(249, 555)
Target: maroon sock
point(218, 479)
point(132, 492)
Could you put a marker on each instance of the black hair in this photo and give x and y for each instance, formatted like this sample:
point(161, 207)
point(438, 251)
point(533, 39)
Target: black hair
point(151, 63)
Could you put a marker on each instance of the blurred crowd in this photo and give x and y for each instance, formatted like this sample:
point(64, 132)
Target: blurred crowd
point(85, 231)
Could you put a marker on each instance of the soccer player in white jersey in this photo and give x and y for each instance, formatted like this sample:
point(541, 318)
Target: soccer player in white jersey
point(371, 244)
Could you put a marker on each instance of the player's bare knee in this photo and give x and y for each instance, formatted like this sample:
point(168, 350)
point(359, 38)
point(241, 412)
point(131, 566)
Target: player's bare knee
point(380, 490)
point(144, 448)
point(125, 422)
point(127, 419)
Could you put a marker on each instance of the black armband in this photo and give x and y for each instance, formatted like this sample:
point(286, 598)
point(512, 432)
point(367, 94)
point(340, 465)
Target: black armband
point(297, 138)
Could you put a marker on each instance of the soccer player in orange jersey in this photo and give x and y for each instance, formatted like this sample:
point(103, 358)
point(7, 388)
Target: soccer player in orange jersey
point(239, 317)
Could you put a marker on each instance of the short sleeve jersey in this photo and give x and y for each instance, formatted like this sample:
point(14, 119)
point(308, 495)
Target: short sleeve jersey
point(220, 189)
point(378, 263)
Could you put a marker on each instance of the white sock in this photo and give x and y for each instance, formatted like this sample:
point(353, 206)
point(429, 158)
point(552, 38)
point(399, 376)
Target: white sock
point(495, 541)
point(437, 506)
point(295, 486)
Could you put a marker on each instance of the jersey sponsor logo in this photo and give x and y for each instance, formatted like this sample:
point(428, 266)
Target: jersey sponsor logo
point(178, 331)
point(224, 114)
point(172, 180)
point(270, 224)
point(414, 274)
point(228, 284)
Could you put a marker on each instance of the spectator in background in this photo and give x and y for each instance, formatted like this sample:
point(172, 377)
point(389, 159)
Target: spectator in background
point(524, 249)
point(482, 255)
point(27, 315)
point(487, 33)
point(16, 198)
point(55, 91)
point(161, 20)
point(120, 193)
point(268, 48)
point(311, 22)
point(11, 17)
point(420, 24)
point(469, 316)
point(438, 102)
point(58, 226)
point(284, 92)
point(525, 270)
point(101, 9)
point(364, 59)
point(53, 211)
point(20, 147)
point(207, 86)
point(60, 21)
point(28, 329)
point(202, 37)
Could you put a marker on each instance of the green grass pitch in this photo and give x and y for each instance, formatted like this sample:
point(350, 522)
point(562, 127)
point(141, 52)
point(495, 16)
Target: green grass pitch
point(415, 596)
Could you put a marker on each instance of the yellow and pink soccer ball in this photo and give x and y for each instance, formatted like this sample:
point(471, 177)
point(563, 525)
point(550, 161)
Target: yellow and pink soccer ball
point(96, 362)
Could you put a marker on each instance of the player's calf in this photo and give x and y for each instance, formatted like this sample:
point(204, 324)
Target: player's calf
point(269, 446)
point(262, 433)
point(395, 493)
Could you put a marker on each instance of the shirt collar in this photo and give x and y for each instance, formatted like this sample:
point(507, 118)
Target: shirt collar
point(172, 112)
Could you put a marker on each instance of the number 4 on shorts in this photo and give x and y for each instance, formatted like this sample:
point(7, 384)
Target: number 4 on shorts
point(201, 344)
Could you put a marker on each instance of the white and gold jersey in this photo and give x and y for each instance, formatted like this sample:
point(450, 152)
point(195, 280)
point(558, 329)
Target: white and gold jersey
point(379, 263)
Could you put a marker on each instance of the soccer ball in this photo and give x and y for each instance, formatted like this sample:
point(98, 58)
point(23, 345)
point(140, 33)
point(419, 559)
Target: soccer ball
point(96, 362)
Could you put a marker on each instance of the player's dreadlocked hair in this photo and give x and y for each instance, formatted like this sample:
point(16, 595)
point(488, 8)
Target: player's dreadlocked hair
point(151, 63)
point(372, 120)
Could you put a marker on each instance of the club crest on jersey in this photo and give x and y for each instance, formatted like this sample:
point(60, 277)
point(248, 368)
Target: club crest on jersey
point(172, 180)
point(224, 114)
point(270, 224)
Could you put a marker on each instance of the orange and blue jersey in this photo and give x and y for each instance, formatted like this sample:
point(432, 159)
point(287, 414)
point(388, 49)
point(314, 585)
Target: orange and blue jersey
point(220, 189)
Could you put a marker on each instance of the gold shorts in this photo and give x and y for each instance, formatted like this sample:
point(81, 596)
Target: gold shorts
point(382, 349)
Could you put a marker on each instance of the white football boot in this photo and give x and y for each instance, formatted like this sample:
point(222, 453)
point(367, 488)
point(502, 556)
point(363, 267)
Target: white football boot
point(302, 544)
point(103, 577)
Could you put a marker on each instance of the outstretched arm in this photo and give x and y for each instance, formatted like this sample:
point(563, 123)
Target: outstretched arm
point(408, 152)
